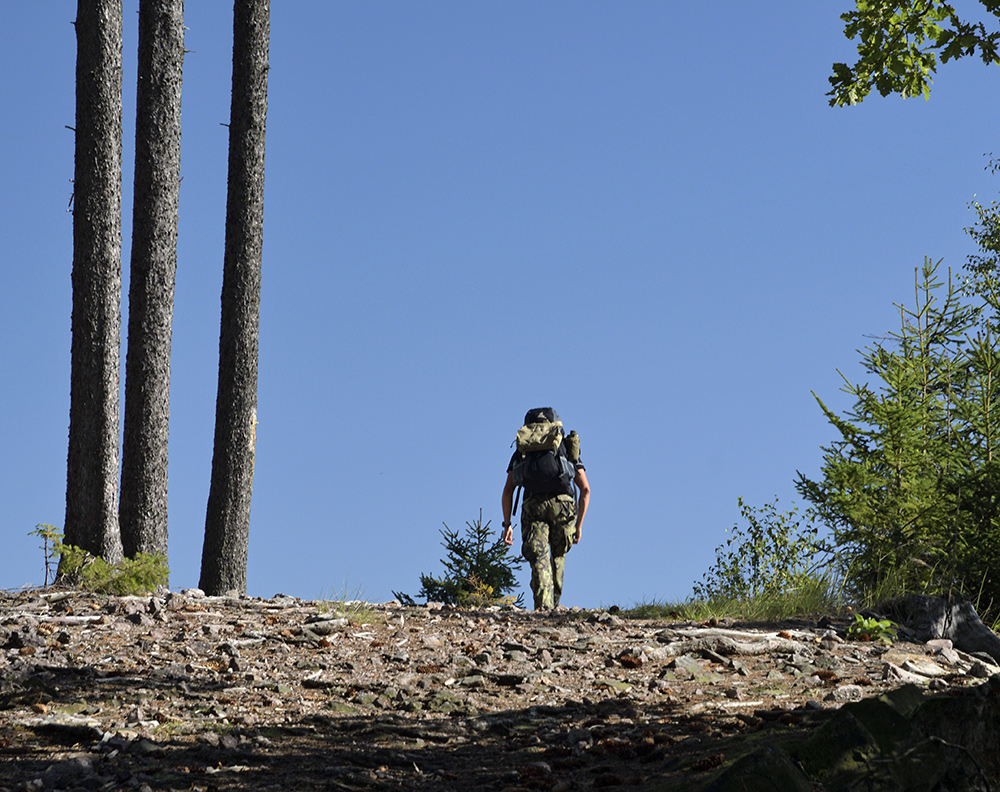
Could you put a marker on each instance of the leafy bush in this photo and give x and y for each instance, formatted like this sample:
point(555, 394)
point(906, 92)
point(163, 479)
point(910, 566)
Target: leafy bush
point(139, 575)
point(479, 570)
point(773, 554)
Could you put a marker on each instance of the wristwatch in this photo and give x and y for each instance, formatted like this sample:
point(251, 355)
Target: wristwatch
point(506, 524)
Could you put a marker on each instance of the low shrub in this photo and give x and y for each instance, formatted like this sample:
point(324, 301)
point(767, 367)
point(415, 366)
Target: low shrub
point(76, 567)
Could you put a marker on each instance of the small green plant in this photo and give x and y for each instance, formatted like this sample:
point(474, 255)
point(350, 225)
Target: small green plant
point(51, 542)
point(138, 575)
point(479, 570)
point(483, 595)
point(871, 629)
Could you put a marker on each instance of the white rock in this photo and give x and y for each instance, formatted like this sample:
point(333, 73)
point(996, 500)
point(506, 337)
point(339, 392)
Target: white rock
point(924, 668)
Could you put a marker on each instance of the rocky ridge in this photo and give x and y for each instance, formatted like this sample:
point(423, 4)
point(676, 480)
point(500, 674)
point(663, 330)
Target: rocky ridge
point(180, 691)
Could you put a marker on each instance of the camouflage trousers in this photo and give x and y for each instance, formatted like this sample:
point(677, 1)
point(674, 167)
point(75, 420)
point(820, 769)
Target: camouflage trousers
point(547, 529)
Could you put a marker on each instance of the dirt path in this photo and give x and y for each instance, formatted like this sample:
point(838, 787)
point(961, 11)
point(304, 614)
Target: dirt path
point(185, 692)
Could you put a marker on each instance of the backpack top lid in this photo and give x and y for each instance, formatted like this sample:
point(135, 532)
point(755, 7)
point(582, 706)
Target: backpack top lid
point(541, 415)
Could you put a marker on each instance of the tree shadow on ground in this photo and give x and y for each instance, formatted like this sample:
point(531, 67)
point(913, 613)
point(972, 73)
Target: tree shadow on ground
point(612, 742)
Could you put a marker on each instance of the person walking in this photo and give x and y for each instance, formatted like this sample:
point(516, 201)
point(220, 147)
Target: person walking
point(547, 466)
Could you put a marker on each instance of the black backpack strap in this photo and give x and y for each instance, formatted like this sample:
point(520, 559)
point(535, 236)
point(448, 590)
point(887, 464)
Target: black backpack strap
point(517, 495)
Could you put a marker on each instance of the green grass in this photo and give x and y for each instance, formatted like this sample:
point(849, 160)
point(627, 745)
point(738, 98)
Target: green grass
point(347, 604)
point(814, 596)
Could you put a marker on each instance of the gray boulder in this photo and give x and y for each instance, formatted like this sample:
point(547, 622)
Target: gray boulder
point(930, 618)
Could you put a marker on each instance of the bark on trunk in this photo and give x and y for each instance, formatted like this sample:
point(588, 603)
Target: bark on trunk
point(227, 524)
point(143, 512)
point(92, 459)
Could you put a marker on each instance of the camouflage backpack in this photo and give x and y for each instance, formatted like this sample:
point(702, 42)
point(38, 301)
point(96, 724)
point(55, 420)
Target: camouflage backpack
point(547, 458)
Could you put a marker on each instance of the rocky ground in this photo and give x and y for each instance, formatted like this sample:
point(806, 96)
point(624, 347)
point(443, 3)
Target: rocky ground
point(185, 692)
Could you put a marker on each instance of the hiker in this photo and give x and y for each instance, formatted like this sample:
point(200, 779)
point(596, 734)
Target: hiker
point(547, 466)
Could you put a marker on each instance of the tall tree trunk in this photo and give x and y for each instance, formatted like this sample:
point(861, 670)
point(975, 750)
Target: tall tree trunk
point(92, 461)
point(227, 523)
point(143, 512)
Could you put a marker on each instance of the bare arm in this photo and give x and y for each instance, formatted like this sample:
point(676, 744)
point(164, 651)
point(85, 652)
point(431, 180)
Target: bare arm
point(507, 503)
point(583, 486)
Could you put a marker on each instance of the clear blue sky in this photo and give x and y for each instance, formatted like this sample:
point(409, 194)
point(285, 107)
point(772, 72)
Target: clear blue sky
point(643, 214)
